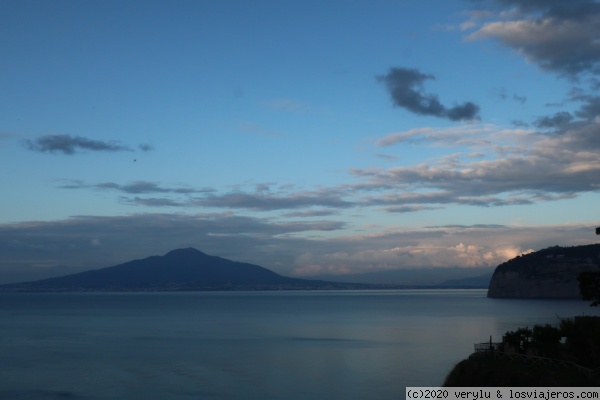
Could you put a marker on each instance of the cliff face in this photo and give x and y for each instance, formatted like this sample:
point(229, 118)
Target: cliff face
point(548, 273)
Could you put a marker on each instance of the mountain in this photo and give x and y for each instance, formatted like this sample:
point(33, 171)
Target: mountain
point(480, 281)
point(183, 269)
point(547, 273)
point(426, 276)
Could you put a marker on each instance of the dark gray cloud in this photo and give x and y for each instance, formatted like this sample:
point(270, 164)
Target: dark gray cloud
point(590, 108)
point(310, 213)
point(136, 187)
point(477, 226)
point(572, 9)
point(173, 196)
point(140, 187)
point(559, 36)
point(68, 144)
point(409, 208)
point(153, 202)
point(261, 201)
point(558, 120)
point(404, 202)
point(465, 111)
point(405, 87)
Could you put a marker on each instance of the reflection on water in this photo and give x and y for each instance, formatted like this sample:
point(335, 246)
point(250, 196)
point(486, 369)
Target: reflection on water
point(248, 345)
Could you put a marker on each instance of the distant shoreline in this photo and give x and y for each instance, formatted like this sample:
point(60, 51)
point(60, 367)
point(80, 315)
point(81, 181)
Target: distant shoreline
point(341, 287)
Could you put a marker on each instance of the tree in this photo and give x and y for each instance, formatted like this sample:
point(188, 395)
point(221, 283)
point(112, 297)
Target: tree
point(546, 340)
point(589, 286)
point(517, 341)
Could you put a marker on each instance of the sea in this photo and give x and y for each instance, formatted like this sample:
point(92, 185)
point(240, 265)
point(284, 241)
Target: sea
point(249, 345)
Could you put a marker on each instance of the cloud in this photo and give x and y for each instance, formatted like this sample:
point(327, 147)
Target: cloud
point(140, 187)
point(68, 144)
point(135, 187)
point(387, 157)
point(32, 249)
point(405, 87)
point(86, 242)
point(512, 167)
point(153, 202)
point(489, 167)
point(310, 213)
point(555, 8)
point(513, 180)
point(261, 201)
point(558, 120)
point(442, 246)
point(174, 196)
point(409, 208)
point(590, 108)
point(468, 135)
point(558, 36)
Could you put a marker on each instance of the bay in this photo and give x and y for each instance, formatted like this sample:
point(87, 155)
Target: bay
point(249, 345)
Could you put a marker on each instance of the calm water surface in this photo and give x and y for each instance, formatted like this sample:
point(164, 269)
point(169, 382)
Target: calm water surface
point(248, 345)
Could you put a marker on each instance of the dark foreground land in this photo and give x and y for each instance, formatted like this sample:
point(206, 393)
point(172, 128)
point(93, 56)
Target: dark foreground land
point(482, 371)
point(567, 355)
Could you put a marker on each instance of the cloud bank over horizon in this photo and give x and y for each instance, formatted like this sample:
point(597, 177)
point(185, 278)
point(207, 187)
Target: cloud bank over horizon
point(86, 242)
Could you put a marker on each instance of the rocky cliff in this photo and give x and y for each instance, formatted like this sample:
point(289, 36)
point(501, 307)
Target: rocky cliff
point(547, 273)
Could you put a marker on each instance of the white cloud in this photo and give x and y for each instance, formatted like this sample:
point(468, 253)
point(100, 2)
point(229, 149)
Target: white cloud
point(563, 40)
point(474, 136)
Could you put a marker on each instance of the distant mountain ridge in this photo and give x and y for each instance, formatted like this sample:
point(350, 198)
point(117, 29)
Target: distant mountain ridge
point(182, 269)
point(474, 277)
point(190, 269)
point(185, 269)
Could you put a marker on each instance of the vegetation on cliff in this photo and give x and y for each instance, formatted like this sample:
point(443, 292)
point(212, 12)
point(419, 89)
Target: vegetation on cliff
point(567, 355)
point(487, 371)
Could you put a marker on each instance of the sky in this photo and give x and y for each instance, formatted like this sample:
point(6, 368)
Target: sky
point(309, 137)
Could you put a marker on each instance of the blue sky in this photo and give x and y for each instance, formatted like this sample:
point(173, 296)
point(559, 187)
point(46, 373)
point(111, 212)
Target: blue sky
point(308, 137)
